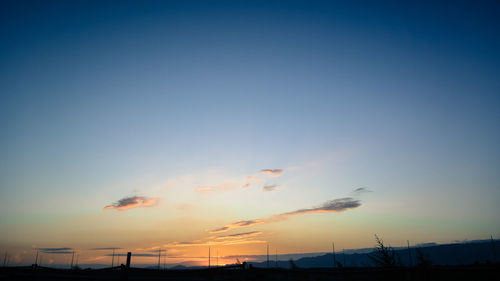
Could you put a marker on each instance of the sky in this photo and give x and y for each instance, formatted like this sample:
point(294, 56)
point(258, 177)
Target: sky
point(183, 125)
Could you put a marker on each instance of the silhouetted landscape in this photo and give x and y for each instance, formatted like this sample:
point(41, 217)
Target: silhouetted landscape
point(459, 261)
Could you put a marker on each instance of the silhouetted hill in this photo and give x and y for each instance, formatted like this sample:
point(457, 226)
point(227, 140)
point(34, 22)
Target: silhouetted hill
point(448, 254)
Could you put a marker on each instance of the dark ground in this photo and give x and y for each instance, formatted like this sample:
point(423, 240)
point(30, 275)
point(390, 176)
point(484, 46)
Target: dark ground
point(472, 272)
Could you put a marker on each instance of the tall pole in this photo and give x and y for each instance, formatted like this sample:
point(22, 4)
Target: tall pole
point(409, 253)
point(493, 249)
point(36, 259)
point(5, 259)
point(209, 257)
point(113, 258)
point(72, 258)
point(276, 257)
point(217, 258)
point(343, 253)
point(267, 255)
point(333, 254)
point(159, 255)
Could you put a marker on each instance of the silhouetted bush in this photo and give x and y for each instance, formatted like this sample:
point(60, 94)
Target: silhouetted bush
point(384, 256)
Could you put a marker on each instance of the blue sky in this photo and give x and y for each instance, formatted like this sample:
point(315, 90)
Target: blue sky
point(100, 101)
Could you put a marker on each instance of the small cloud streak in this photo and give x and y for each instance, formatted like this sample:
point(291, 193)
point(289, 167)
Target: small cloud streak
point(132, 202)
point(224, 186)
point(332, 206)
point(270, 187)
point(56, 250)
point(272, 172)
point(253, 179)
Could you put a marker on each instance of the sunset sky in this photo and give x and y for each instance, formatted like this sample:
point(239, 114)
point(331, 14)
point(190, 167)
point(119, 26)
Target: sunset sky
point(181, 125)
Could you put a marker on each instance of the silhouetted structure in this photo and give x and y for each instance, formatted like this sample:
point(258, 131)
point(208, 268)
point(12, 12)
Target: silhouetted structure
point(129, 255)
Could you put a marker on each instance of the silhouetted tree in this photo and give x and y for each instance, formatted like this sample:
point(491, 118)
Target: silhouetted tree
point(384, 256)
point(292, 264)
point(422, 260)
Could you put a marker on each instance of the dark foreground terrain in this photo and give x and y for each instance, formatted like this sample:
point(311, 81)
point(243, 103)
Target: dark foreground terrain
point(472, 272)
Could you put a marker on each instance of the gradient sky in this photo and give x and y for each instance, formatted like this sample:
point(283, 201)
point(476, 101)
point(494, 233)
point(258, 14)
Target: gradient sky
point(176, 108)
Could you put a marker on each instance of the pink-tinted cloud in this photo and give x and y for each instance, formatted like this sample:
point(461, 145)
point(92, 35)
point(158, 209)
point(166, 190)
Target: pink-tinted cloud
point(332, 206)
point(132, 202)
point(272, 172)
point(224, 186)
point(270, 187)
point(253, 179)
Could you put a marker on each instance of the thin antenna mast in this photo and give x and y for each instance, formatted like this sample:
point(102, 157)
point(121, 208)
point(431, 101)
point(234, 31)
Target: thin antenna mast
point(208, 256)
point(276, 258)
point(72, 258)
point(267, 255)
point(493, 249)
point(333, 253)
point(36, 259)
point(5, 259)
point(113, 258)
point(343, 253)
point(409, 253)
point(159, 255)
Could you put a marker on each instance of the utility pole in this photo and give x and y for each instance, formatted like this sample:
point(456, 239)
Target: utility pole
point(267, 255)
point(343, 253)
point(72, 258)
point(409, 253)
point(159, 255)
point(217, 258)
point(276, 257)
point(5, 259)
point(113, 258)
point(36, 258)
point(333, 254)
point(493, 249)
point(208, 256)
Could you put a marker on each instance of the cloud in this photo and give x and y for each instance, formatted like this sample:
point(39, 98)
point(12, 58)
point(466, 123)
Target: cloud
point(253, 179)
point(224, 186)
point(204, 188)
point(245, 185)
point(332, 206)
point(102, 249)
point(56, 250)
point(270, 187)
point(360, 190)
point(132, 202)
point(239, 235)
point(272, 172)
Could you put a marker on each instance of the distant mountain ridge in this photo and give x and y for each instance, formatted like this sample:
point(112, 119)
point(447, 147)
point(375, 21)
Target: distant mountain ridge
point(467, 252)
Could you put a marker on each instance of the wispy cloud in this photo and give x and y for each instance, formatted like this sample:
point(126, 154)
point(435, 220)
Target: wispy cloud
point(56, 250)
point(360, 190)
point(253, 179)
point(223, 240)
point(103, 249)
point(332, 206)
point(272, 172)
point(224, 186)
point(270, 187)
point(132, 202)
